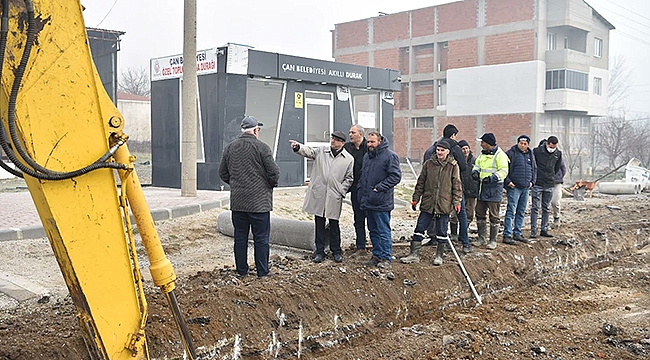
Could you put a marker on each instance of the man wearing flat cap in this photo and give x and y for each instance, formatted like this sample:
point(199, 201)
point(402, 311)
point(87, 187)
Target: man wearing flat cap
point(440, 190)
point(331, 177)
point(522, 174)
point(247, 165)
point(490, 169)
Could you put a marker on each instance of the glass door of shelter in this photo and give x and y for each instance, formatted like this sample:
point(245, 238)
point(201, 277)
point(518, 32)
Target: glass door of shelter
point(319, 120)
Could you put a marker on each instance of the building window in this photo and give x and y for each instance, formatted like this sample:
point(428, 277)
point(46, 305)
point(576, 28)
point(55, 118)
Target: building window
point(598, 86)
point(598, 47)
point(551, 39)
point(566, 42)
point(567, 79)
point(422, 122)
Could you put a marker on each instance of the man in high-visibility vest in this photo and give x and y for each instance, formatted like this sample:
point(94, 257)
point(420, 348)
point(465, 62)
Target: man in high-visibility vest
point(490, 169)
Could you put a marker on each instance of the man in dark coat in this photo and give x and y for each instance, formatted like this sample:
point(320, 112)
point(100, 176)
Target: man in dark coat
point(549, 160)
point(459, 224)
point(247, 166)
point(440, 190)
point(522, 174)
point(357, 148)
point(379, 176)
point(470, 186)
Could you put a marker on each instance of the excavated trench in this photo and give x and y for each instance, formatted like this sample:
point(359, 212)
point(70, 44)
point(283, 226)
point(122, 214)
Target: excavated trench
point(315, 309)
point(331, 310)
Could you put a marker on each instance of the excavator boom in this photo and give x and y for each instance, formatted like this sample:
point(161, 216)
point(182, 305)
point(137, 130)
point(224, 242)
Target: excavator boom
point(65, 135)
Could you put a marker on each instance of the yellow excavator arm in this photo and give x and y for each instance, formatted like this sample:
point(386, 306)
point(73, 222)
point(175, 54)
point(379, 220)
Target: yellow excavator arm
point(64, 134)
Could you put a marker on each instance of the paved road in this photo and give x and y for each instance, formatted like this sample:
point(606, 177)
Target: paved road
point(19, 219)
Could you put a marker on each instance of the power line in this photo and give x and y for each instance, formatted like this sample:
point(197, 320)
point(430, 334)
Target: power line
point(624, 8)
point(108, 13)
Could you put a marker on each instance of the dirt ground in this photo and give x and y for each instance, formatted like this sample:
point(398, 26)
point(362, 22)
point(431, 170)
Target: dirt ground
point(582, 294)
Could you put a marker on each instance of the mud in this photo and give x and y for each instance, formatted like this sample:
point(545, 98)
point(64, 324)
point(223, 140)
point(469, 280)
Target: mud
point(582, 294)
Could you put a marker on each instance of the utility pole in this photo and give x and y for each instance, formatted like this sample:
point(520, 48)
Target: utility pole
point(189, 86)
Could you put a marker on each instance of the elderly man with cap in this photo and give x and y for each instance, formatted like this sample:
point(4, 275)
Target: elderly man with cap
point(490, 169)
point(522, 174)
point(440, 190)
point(247, 166)
point(331, 177)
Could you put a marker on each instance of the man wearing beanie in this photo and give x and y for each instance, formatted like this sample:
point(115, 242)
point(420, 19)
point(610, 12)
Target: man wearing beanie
point(522, 174)
point(459, 222)
point(490, 169)
point(470, 187)
point(440, 190)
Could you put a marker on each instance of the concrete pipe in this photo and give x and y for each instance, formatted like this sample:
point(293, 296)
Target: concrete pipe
point(619, 188)
point(285, 232)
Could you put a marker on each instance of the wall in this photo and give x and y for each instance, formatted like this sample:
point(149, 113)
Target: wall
point(496, 89)
point(137, 119)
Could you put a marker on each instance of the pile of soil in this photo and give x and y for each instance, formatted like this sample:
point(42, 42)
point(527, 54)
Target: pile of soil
point(582, 294)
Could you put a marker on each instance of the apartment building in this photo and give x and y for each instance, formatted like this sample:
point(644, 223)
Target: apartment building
point(510, 67)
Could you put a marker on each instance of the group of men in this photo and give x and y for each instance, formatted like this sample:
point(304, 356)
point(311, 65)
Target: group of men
point(457, 184)
point(453, 185)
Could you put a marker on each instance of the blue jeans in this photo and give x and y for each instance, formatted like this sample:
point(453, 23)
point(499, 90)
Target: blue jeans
point(541, 198)
point(260, 223)
point(380, 234)
point(517, 201)
point(359, 219)
point(441, 225)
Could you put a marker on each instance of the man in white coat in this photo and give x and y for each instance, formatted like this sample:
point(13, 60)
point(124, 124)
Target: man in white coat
point(331, 177)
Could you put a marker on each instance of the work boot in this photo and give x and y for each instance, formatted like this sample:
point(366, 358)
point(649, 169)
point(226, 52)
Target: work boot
point(545, 233)
point(556, 223)
point(384, 264)
point(453, 228)
point(372, 262)
point(520, 238)
point(467, 249)
point(494, 231)
point(482, 230)
point(508, 240)
point(414, 256)
point(440, 252)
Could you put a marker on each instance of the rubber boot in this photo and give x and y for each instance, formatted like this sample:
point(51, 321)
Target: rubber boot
point(440, 252)
point(494, 230)
point(453, 228)
point(482, 230)
point(414, 256)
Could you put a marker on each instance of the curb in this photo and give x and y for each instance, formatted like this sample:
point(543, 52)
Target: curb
point(36, 232)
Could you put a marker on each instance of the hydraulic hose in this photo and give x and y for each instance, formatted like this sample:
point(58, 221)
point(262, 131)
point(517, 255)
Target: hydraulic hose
point(37, 170)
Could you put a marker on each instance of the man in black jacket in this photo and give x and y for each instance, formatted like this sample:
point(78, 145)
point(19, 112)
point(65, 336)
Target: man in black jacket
point(549, 159)
point(470, 186)
point(247, 166)
point(357, 148)
point(458, 224)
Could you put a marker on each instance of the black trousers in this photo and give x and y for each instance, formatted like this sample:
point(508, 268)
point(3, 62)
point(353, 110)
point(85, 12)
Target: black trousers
point(321, 236)
point(359, 219)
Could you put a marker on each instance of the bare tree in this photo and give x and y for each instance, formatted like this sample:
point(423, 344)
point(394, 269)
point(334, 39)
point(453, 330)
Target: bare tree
point(636, 145)
point(613, 139)
point(619, 83)
point(135, 81)
point(574, 152)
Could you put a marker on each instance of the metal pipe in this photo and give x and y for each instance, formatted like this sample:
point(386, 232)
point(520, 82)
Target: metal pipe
point(462, 268)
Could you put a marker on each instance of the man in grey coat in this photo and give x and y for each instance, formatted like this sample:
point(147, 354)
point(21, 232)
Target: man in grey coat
point(331, 177)
point(247, 166)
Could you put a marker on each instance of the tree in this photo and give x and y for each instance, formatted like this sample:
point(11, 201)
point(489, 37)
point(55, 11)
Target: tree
point(619, 84)
point(135, 81)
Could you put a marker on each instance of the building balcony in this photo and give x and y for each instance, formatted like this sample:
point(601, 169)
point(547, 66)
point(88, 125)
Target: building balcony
point(575, 100)
point(567, 58)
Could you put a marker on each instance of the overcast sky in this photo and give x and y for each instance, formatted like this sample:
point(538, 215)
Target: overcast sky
point(154, 28)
